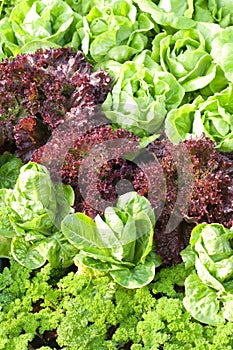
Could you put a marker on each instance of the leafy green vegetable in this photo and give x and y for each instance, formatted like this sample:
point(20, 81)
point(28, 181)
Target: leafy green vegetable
point(33, 24)
point(218, 11)
point(208, 289)
point(121, 244)
point(9, 170)
point(84, 311)
point(49, 20)
point(184, 55)
point(213, 117)
point(112, 31)
point(32, 213)
point(222, 48)
point(141, 98)
point(164, 18)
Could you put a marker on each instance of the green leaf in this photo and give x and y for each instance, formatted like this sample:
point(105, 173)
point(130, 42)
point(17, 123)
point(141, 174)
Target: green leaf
point(227, 310)
point(222, 48)
point(200, 300)
point(30, 255)
point(136, 277)
point(61, 252)
point(5, 247)
point(34, 45)
point(97, 263)
point(188, 257)
point(164, 18)
point(9, 170)
point(178, 123)
point(135, 204)
point(145, 233)
point(82, 232)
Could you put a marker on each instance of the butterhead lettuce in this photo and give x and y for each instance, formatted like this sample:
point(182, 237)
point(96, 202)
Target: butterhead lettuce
point(209, 287)
point(141, 98)
point(31, 215)
point(213, 117)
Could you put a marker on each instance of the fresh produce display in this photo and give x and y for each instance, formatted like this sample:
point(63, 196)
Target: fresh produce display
point(116, 174)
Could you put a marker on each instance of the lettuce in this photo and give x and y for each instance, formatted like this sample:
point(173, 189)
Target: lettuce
point(141, 98)
point(212, 117)
point(32, 213)
point(112, 31)
point(164, 18)
point(184, 55)
point(120, 244)
point(9, 170)
point(212, 11)
point(33, 24)
point(222, 49)
point(209, 288)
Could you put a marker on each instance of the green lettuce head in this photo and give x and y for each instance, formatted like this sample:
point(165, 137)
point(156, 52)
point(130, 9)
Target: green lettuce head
point(120, 243)
point(184, 55)
point(141, 98)
point(209, 287)
point(32, 213)
point(112, 31)
point(212, 117)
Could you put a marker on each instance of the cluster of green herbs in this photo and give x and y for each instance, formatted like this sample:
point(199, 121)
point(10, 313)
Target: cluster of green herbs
point(169, 59)
point(93, 312)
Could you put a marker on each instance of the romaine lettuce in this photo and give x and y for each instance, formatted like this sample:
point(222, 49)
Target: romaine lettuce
point(120, 244)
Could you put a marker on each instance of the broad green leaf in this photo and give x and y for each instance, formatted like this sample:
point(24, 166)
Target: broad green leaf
point(206, 277)
point(65, 200)
point(222, 48)
point(224, 268)
point(145, 234)
point(61, 252)
point(81, 231)
point(108, 238)
point(136, 277)
point(188, 257)
point(30, 255)
point(128, 240)
point(9, 170)
point(200, 300)
point(178, 123)
point(34, 45)
point(113, 220)
point(97, 262)
point(164, 18)
point(227, 310)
